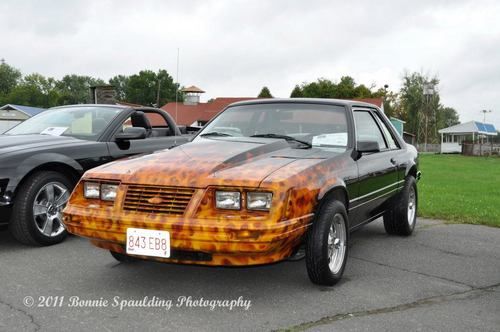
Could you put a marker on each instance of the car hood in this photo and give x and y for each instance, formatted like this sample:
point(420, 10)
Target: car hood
point(222, 162)
point(19, 143)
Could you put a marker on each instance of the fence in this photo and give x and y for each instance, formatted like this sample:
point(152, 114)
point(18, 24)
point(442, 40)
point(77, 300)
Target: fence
point(477, 149)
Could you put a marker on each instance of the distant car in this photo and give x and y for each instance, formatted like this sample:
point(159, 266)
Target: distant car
point(42, 159)
point(260, 180)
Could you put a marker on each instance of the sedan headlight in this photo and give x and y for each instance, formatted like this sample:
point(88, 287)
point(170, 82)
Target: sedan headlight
point(108, 191)
point(91, 190)
point(228, 200)
point(259, 201)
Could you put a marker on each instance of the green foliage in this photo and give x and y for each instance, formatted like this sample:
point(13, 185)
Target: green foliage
point(296, 92)
point(265, 93)
point(39, 91)
point(120, 82)
point(325, 88)
point(142, 88)
point(9, 78)
point(74, 89)
point(472, 199)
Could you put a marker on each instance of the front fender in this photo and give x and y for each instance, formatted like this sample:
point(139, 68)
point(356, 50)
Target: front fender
point(29, 164)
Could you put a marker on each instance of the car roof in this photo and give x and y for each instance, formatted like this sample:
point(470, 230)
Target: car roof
point(93, 105)
point(340, 102)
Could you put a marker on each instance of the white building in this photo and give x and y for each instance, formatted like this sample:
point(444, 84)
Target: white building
point(452, 137)
point(11, 115)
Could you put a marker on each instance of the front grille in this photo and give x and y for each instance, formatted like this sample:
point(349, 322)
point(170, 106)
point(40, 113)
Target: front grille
point(159, 200)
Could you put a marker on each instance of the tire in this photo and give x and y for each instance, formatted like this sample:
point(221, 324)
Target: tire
point(122, 258)
point(402, 218)
point(36, 215)
point(326, 250)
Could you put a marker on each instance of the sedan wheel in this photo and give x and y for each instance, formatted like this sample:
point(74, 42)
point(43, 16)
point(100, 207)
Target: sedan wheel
point(37, 212)
point(47, 208)
point(401, 217)
point(337, 243)
point(327, 244)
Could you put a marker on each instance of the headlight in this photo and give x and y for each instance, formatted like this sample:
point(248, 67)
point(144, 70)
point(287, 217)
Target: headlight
point(259, 201)
point(91, 190)
point(228, 200)
point(108, 191)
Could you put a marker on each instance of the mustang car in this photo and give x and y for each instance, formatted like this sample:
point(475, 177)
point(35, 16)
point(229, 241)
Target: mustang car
point(42, 159)
point(259, 181)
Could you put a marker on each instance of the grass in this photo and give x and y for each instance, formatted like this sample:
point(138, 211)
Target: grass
point(460, 189)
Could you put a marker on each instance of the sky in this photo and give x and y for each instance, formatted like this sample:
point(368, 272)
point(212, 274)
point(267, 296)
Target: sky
point(234, 48)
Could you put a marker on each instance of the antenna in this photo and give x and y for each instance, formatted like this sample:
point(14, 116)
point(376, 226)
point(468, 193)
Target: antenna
point(177, 85)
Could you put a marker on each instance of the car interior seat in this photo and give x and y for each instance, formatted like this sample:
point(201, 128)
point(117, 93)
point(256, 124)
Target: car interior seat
point(139, 119)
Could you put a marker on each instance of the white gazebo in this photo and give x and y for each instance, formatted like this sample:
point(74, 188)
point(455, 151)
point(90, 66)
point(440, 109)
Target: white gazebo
point(452, 137)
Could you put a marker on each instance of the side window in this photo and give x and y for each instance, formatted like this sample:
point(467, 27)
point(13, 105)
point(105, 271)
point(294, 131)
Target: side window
point(390, 138)
point(367, 129)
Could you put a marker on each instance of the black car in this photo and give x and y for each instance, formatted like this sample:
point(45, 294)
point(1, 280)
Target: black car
point(42, 159)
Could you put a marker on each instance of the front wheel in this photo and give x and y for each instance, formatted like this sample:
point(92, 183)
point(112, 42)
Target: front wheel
point(326, 247)
point(37, 213)
point(402, 216)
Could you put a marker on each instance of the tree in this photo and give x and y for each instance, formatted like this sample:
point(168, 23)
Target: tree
point(120, 82)
point(34, 90)
point(447, 117)
point(418, 109)
point(74, 89)
point(149, 88)
point(297, 92)
point(265, 93)
point(9, 78)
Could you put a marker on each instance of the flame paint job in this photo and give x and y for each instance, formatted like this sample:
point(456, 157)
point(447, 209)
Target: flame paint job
point(298, 179)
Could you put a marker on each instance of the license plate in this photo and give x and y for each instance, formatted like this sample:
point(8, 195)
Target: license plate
point(148, 242)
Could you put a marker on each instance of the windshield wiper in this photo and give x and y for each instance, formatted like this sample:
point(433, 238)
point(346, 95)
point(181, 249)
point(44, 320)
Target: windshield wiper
point(285, 137)
point(215, 133)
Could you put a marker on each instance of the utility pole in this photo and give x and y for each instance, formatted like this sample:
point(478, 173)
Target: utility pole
point(158, 91)
point(484, 114)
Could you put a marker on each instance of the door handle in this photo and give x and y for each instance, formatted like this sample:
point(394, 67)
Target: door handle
point(393, 161)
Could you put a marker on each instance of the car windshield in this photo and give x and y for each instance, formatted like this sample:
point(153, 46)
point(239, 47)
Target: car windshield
point(83, 122)
point(304, 125)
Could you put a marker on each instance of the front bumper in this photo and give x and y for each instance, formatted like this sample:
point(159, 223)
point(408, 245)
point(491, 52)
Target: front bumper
point(197, 241)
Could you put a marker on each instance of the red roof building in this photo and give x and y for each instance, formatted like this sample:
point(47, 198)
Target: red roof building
point(197, 114)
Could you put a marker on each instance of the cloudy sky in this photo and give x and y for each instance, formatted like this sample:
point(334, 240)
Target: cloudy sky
point(233, 48)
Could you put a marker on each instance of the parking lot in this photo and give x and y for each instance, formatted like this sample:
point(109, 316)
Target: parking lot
point(444, 277)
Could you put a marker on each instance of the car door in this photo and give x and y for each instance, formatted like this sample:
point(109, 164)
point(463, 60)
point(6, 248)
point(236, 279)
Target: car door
point(160, 135)
point(378, 176)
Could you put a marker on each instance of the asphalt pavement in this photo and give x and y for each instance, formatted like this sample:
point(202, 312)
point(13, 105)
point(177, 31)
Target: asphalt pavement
point(443, 278)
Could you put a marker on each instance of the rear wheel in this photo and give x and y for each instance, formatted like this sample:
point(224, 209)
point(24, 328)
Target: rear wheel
point(37, 213)
point(402, 218)
point(326, 247)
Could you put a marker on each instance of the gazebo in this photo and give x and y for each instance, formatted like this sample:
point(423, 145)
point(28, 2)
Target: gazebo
point(452, 137)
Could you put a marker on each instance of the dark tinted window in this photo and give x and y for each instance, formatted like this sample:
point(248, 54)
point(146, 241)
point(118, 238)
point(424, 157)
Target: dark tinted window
point(320, 125)
point(367, 129)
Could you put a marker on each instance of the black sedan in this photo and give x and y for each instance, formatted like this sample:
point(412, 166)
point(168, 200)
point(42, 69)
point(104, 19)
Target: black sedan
point(42, 159)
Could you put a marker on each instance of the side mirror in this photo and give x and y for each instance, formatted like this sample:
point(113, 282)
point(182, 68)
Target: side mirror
point(368, 146)
point(131, 133)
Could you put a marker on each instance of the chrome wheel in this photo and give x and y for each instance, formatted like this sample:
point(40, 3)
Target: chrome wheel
point(47, 208)
point(337, 243)
point(412, 206)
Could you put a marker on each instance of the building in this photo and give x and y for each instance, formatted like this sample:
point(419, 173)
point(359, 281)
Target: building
point(11, 115)
point(192, 112)
point(472, 131)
